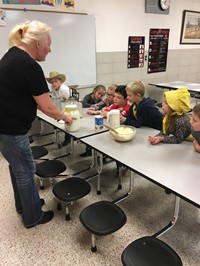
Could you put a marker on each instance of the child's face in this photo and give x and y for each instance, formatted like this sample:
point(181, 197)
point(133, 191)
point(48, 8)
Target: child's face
point(132, 97)
point(99, 94)
point(119, 100)
point(110, 96)
point(165, 107)
point(56, 83)
point(195, 122)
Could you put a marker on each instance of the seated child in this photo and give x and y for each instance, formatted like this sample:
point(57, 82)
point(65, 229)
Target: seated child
point(143, 111)
point(94, 97)
point(95, 108)
point(61, 91)
point(195, 123)
point(89, 100)
point(120, 103)
point(57, 87)
point(176, 123)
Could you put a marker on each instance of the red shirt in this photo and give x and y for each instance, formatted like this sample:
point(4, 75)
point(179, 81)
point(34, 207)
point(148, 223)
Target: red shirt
point(123, 112)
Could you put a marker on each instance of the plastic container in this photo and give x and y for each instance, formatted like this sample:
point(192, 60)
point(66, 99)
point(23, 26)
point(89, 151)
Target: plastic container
point(98, 122)
point(113, 118)
point(73, 111)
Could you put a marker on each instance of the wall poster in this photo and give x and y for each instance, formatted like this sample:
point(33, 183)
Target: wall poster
point(59, 3)
point(2, 17)
point(158, 49)
point(135, 51)
point(22, 2)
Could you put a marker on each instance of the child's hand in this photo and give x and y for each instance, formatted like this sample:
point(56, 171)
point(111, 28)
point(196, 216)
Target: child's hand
point(104, 113)
point(155, 140)
point(122, 119)
point(196, 146)
point(91, 112)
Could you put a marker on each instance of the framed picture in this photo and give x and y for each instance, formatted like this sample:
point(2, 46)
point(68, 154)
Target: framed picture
point(190, 31)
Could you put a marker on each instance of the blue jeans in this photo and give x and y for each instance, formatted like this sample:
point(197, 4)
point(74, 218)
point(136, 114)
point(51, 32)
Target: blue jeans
point(16, 150)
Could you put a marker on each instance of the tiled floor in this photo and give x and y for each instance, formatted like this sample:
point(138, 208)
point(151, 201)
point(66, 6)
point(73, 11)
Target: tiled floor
point(61, 242)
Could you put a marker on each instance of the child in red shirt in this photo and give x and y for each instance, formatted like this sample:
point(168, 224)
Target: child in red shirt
point(120, 103)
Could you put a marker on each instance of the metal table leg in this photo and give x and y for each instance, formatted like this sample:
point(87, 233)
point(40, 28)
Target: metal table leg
point(130, 190)
point(173, 220)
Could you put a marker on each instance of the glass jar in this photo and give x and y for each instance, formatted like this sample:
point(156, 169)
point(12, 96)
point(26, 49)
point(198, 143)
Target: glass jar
point(72, 100)
point(71, 110)
point(57, 102)
point(80, 108)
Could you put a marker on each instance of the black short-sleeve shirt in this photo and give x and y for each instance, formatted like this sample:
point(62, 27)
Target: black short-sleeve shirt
point(21, 78)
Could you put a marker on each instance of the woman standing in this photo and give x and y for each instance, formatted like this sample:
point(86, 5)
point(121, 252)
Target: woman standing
point(23, 89)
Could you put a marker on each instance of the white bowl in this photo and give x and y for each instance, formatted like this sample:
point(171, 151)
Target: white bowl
point(125, 133)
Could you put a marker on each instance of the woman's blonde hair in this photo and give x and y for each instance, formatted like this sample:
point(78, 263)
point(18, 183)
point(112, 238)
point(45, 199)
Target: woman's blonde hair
point(28, 32)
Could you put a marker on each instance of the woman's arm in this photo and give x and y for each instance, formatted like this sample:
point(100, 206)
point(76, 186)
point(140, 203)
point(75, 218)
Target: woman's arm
point(46, 105)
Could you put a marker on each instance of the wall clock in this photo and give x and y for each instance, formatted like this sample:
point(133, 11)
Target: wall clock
point(164, 4)
point(157, 6)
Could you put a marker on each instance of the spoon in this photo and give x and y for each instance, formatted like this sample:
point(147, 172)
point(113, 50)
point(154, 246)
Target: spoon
point(112, 129)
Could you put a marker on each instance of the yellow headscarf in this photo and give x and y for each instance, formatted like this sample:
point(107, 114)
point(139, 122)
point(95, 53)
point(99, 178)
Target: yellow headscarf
point(179, 101)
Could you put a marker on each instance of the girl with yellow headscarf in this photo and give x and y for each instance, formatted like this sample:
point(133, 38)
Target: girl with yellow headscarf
point(176, 123)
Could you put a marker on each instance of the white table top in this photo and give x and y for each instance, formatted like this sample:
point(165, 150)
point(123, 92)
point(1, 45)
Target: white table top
point(192, 87)
point(174, 166)
point(87, 125)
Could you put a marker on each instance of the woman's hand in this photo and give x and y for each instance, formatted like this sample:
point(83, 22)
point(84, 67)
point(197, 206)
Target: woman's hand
point(155, 139)
point(68, 120)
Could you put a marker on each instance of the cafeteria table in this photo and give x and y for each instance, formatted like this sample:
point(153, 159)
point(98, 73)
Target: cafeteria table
point(193, 88)
point(87, 129)
point(171, 166)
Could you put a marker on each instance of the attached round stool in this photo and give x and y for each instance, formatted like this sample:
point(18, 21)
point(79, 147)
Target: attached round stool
point(30, 139)
point(38, 152)
point(49, 169)
point(70, 190)
point(102, 218)
point(150, 251)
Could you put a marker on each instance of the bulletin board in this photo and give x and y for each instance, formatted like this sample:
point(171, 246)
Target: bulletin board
point(73, 49)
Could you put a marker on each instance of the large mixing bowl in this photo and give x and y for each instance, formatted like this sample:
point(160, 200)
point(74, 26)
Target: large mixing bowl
point(125, 133)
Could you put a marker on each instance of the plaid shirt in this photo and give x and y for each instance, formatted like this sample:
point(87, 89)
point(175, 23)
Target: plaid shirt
point(100, 105)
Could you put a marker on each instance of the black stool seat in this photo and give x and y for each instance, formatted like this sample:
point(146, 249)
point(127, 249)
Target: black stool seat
point(102, 218)
point(30, 139)
point(50, 168)
point(70, 190)
point(38, 152)
point(150, 251)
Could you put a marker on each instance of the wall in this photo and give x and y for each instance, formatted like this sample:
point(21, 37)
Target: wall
point(116, 20)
